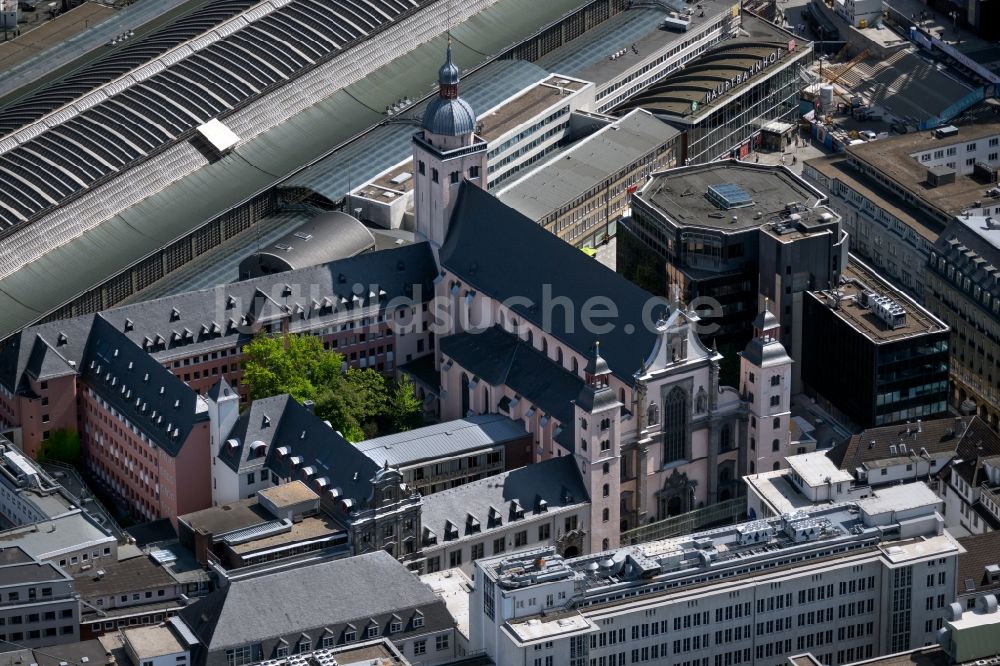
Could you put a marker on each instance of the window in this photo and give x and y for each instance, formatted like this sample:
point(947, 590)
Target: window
point(605, 490)
point(245, 654)
point(250, 479)
point(775, 380)
point(478, 551)
point(441, 642)
point(396, 626)
point(777, 422)
point(473, 172)
point(544, 532)
point(421, 168)
point(775, 400)
point(282, 651)
point(674, 420)
point(521, 539)
point(350, 635)
point(455, 558)
point(434, 175)
point(776, 445)
point(455, 175)
point(499, 545)
point(605, 515)
point(420, 647)
point(570, 523)
point(372, 631)
point(305, 645)
point(418, 621)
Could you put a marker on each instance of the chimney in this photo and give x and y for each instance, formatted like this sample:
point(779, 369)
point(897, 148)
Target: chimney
point(309, 405)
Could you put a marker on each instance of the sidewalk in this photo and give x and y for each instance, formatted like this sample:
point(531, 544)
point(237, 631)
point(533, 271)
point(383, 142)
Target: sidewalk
point(792, 157)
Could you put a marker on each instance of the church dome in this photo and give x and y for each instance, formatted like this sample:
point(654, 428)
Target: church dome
point(449, 117)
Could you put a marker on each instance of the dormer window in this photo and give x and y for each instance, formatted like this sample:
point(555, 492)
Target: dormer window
point(129, 325)
point(418, 620)
point(175, 314)
point(61, 339)
point(396, 625)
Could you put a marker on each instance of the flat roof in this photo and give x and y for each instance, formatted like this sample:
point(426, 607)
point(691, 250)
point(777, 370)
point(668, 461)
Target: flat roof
point(312, 527)
point(898, 159)
point(775, 489)
point(899, 498)
point(933, 655)
point(528, 104)
point(136, 573)
point(589, 56)
point(591, 161)
point(682, 194)
point(838, 166)
point(29, 572)
point(218, 520)
point(450, 438)
point(152, 642)
point(857, 279)
point(288, 494)
point(57, 535)
point(453, 587)
point(816, 469)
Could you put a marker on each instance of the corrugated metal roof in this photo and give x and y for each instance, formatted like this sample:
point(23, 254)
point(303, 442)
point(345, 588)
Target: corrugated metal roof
point(40, 286)
point(443, 439)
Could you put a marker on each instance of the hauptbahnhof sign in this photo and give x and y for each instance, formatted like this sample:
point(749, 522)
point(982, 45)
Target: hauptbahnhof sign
point(743, 76)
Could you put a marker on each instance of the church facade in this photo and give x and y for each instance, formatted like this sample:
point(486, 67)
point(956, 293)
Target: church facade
point(593, 366)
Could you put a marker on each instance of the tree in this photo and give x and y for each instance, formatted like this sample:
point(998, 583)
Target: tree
point(299, 366)
point(405, 409)
point(63, 445)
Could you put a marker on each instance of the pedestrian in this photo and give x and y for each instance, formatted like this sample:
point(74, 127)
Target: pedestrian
point(757, 159)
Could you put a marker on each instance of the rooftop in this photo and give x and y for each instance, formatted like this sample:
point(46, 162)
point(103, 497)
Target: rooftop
point(875, 308)
point(368, 585)
point(90, 652)
point(815, 469)
point(936, 436)
point(25, 572)
point(548, 92)
point(49, 538)
point(979, 566)
point(898, 159)
point(691, 93)
point(685, 196)
point(442, 439)
point(288, 494)
point(717, 557)
point(474, 508)
point(309, 528)
point(453, 587)
point(220, 520)
point(589, 57)
point(589, 162)
point(133, 574)
point(152, 642)
point(902, 497)
point(324, 238)
point(838, 166)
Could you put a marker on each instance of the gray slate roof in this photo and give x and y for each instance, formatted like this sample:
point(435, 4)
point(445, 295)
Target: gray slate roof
point(279, 421)
point(442, 439)
point(326, 594)
point(399, 272)
point(148, 394)
point(557, 481)
point(502, 359)
point(485, 234)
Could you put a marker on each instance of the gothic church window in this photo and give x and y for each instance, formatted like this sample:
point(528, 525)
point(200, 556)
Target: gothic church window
point(675, 417)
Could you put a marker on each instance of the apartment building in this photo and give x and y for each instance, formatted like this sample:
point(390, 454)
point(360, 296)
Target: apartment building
point(847, 581)
point(73, 540)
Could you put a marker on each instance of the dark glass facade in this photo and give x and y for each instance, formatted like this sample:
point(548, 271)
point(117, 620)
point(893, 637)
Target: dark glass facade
point(873, 384)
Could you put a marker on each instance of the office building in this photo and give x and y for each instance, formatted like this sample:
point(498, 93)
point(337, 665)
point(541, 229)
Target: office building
point(823, 579)
point(580, 194)
point(873, 352)
point(38, 607)
point(897, 195)
point(279, 613)
point(729, 234)
point(963, 280)
point(724, 99)
point(28, 494)
point(449, 454)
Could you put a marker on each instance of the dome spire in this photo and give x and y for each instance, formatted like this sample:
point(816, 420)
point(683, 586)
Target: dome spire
point(448, 76)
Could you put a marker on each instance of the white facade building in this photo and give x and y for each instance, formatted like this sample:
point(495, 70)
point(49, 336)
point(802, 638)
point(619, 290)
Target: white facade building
point(847, 582)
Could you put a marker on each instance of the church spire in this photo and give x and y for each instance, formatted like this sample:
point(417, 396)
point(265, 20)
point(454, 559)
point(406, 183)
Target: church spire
point(448, 76)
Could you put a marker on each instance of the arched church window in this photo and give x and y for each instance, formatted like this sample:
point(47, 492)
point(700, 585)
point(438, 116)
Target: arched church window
point(605, 515)
point(675, 421)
